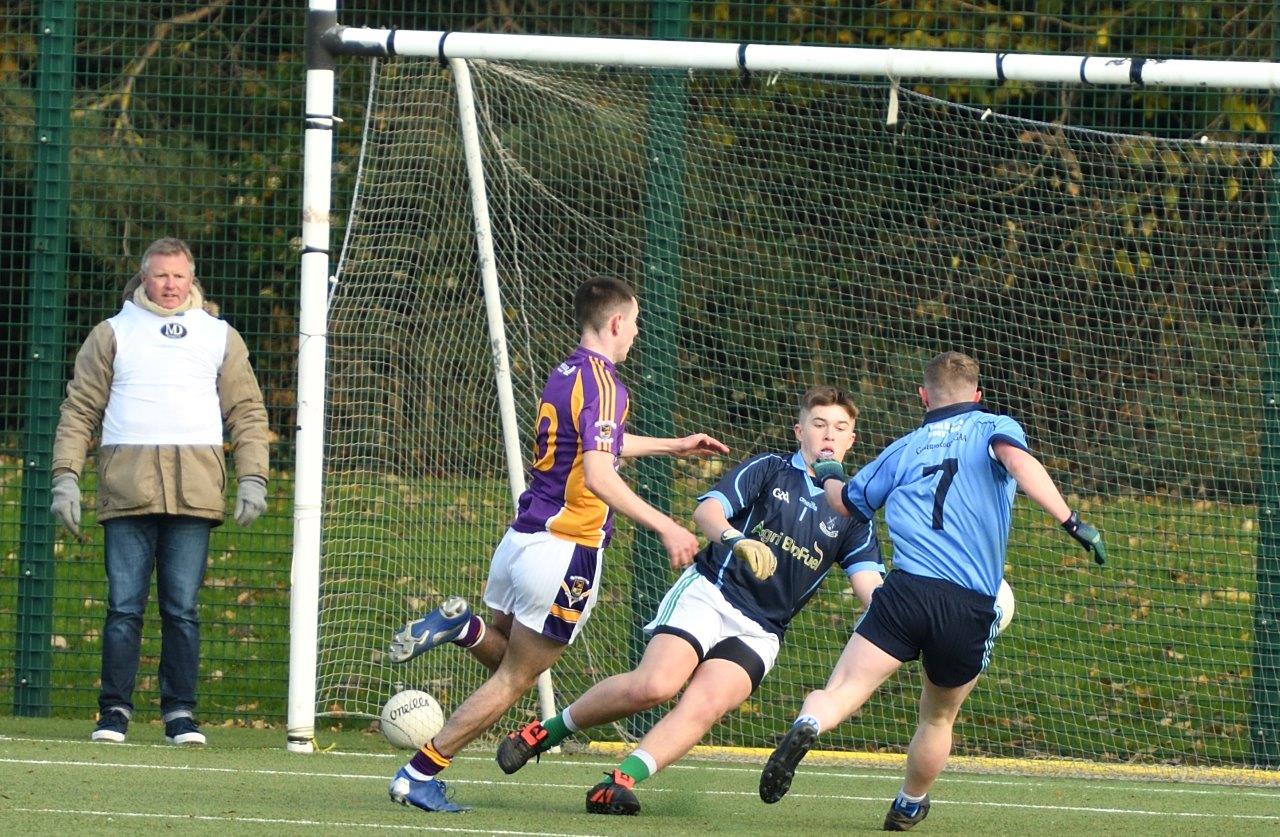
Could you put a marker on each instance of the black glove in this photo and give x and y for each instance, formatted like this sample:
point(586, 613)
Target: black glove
point(1089, 537)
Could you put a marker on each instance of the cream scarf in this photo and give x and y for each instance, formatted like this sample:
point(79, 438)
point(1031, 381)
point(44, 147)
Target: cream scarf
point(194, 302)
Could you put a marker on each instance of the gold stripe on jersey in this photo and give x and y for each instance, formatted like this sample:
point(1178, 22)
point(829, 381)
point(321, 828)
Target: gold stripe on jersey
point(581, 517)
point(608, 391)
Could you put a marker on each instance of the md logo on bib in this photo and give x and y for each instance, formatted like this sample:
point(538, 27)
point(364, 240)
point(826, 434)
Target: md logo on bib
point(174, 331)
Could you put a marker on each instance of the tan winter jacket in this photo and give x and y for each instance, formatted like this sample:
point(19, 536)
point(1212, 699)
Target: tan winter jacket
point(161, 479)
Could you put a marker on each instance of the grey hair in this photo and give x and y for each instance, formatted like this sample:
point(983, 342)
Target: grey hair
point(166, 247)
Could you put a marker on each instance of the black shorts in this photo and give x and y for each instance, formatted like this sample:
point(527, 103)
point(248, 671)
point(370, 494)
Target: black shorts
point(952, 627)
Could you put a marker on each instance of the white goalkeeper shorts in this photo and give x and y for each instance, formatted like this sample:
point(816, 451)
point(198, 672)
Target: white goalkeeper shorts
point(546, 583)
point(695, 610)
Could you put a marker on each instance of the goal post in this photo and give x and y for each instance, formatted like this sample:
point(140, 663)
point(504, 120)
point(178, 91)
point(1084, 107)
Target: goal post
point(1118, 290)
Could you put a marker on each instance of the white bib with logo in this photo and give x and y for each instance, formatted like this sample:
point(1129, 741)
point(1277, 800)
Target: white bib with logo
point(165, 385)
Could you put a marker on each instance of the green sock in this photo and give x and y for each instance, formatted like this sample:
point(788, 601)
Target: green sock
point(556, 730)
point(635, 768)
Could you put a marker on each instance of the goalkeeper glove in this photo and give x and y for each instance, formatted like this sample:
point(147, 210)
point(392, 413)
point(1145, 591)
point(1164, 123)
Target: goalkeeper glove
point(1088, 536)
point(758, 557)
point(828, 469)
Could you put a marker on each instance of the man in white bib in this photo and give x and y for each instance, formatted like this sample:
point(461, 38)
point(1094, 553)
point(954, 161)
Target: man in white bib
point(161, 380)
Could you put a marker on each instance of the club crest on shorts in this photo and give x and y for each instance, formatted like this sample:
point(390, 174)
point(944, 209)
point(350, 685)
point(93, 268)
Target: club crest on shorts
point(576, 589)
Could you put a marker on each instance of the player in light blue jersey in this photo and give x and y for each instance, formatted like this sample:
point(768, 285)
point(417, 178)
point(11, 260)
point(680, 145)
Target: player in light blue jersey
point(947, 490)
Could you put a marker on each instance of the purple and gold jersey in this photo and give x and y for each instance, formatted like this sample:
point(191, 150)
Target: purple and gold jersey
point(583, 408)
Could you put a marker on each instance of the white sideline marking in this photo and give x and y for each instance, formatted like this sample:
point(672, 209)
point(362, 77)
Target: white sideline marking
point(1146, 785)
point(277, 821)
point(513, 783)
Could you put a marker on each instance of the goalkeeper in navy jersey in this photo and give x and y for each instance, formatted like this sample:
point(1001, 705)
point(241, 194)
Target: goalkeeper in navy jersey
point(947, 489)
point(772, 539)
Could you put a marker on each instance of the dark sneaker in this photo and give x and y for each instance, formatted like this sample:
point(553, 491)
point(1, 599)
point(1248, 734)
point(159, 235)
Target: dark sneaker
point(183, 730)
point(614, 796)
point(518, 747)
point(903, 815)
point(113, 725)
point(444, 624)
point(775, 781)
point(426, 794)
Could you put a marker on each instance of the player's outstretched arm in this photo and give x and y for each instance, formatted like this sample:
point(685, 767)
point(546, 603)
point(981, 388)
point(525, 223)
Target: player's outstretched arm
point(696, 444)
point(1036, 483)
point(603, 481)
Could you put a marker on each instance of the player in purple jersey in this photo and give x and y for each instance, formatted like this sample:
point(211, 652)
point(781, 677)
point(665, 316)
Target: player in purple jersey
point(947, 489)
point(718, 630)
point(544, 576)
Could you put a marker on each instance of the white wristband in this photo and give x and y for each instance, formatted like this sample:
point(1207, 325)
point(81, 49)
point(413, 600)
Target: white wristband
point(730, 534)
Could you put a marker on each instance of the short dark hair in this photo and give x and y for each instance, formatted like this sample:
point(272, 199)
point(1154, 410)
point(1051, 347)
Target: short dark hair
point(825, 396)
point(597, 299)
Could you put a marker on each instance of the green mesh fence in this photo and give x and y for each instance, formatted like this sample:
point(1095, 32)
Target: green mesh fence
point(185, 119)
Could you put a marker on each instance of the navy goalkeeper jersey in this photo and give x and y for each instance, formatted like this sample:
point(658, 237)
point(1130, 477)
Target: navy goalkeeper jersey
point(772, 498)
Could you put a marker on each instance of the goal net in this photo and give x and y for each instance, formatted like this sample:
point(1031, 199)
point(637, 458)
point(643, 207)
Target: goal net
point(781, 234)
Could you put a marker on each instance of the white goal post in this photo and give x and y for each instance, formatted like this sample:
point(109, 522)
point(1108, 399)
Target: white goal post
point(327, 41)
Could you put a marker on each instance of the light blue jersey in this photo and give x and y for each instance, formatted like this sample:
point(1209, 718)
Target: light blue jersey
point(947, 499)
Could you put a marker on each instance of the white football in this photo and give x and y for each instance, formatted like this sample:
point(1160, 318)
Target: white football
point(410, 719)
point(1004, 603)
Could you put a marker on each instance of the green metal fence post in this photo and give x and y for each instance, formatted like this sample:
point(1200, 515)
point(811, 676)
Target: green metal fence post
point(1265, 726)
point(661, 317)
point(51, 191)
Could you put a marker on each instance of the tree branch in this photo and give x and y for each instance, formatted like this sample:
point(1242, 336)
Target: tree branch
point(123, 95)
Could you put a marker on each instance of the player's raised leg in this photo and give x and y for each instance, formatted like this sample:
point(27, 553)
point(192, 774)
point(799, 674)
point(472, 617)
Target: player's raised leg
point(452, 621)
point(862, 667)
point(666, 666)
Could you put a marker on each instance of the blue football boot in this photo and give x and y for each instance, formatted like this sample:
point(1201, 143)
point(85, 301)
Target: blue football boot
point(428, 794)
point(903, 816)
point(444, 624)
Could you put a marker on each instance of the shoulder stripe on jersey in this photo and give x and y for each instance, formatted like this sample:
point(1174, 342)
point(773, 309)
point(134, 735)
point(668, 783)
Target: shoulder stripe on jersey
point(725, 505)
point(865, 543)
point(608, 396)
point(737, 481)
point(602, 387)
point(1004, 437)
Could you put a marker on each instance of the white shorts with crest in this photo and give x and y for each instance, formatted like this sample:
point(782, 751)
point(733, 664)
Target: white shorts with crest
point(547, 583)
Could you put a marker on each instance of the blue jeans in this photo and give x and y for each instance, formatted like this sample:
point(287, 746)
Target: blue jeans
point(178, 549)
